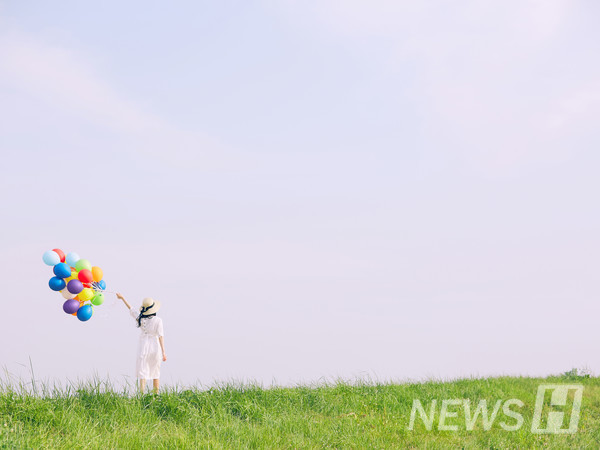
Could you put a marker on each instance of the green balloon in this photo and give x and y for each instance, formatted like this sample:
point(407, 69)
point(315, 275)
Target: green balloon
point(98, 299)
point(83, 264)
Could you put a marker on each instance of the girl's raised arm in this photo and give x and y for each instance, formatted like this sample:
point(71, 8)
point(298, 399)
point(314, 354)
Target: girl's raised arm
point(124, 301)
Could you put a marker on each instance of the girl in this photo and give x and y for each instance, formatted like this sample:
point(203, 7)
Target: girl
point(151, 342)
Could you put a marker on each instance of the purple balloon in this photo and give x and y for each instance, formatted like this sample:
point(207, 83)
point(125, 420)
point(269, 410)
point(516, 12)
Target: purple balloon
point(71, 306)
point(75, 286)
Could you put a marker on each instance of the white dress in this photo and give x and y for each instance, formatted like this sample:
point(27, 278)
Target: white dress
point(149, 353)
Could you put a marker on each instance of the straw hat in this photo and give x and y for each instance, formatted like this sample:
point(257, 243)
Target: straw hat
point(148, 301)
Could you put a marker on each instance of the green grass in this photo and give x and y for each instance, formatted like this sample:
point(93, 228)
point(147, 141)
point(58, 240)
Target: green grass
point(338, 415)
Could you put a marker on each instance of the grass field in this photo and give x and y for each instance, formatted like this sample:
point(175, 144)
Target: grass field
point(339, 415)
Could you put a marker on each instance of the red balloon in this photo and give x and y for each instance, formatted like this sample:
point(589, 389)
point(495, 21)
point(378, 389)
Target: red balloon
point(60, 253)
point(85, 276)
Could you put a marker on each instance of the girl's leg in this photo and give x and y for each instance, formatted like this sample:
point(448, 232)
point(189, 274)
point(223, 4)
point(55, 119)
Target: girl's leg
point(156, 383)
point(142, 385)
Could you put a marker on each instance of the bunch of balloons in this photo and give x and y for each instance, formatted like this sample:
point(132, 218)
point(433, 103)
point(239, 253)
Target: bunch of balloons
point(79, 282)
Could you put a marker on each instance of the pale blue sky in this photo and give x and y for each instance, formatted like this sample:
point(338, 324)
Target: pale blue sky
point(312, 189)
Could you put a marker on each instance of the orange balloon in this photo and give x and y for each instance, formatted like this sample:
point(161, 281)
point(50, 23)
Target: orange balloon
point(97, 274)
point(81, 302)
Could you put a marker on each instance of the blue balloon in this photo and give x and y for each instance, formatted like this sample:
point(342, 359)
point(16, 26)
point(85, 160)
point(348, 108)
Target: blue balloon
point(62, 270)
point(56, 284)
point(84, 313)
point(51, 258)
point(72, 258)
point(102, 284)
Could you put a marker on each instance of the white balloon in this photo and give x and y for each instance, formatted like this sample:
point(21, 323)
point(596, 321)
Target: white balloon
point(66, 294)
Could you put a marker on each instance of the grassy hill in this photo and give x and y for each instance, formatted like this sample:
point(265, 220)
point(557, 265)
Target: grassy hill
point(339, 415)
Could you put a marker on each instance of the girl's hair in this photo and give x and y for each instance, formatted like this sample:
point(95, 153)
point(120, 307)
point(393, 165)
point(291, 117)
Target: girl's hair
point(144, 316)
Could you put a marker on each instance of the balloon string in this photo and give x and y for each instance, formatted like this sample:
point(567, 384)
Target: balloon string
point(105, 291)
point(97, 288)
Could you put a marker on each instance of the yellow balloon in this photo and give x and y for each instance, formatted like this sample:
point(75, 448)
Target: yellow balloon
point(97, 274)
point(86, 294)
point(73, 276)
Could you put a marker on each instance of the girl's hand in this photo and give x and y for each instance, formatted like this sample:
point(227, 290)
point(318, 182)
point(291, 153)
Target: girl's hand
point(164, 356)
point(124, 301)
